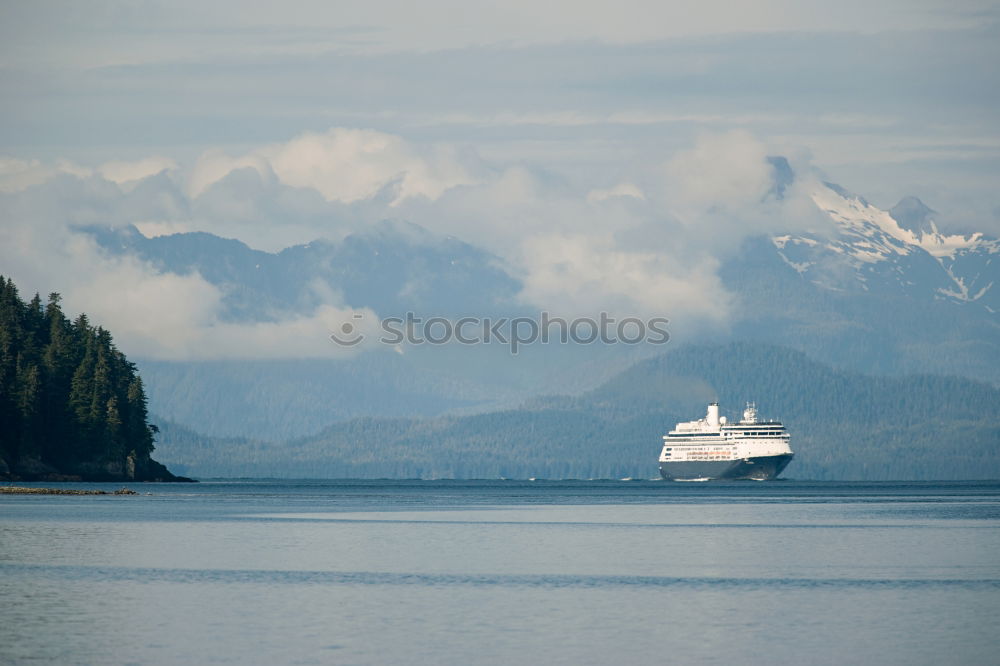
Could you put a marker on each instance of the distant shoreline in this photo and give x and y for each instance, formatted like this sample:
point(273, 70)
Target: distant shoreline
point(21, 490)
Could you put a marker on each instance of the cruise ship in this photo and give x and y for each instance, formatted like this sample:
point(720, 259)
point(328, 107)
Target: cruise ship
point(711, 448)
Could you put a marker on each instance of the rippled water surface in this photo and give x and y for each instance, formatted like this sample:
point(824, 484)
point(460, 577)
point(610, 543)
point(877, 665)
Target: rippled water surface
point(452, 572)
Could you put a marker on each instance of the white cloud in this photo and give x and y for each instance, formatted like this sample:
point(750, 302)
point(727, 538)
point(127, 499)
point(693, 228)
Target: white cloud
point(153, 314)
point(154, 228)
point(582, 252)
point(515, 203)
point(176, 317)
point(619, 190)
point(647, 244)
point(723, 189)
point(347, 165)
point(165, 316)
point(214, 165)
point(584, 275)
point(17, 174)
point(722, 172)
point(123, 172)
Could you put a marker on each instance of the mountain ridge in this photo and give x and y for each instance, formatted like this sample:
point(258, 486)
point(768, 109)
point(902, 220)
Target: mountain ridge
point(873, 297)
point(844, 426)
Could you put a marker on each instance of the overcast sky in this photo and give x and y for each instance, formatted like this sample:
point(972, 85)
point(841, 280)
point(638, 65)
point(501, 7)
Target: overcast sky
point(889, 97)
point(541, 112)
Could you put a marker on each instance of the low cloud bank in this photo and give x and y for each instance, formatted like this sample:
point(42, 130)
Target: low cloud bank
point(649, 244)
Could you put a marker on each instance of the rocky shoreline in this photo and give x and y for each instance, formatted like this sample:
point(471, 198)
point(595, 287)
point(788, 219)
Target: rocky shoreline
point(129, 470)
point(21, 490)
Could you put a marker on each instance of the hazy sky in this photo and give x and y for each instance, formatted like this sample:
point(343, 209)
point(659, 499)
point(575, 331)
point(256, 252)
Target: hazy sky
point(889, 97)
point(549, 133)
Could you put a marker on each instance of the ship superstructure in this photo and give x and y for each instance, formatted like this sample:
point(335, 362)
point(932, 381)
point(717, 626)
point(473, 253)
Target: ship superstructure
point(712, 448)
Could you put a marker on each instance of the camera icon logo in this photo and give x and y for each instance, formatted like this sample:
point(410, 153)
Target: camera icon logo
point(348, 334)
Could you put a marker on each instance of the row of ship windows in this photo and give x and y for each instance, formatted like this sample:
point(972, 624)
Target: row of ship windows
point(689, 452)
point(735, 434)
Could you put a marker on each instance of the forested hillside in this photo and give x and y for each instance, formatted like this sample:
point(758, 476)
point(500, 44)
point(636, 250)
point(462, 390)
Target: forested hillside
point(71, 404)
point(844, 426)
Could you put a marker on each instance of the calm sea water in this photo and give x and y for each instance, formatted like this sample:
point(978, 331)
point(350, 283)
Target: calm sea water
point(451, 572)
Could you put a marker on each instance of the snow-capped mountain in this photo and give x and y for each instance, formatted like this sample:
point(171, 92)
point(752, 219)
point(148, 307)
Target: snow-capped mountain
point(879, 291)
point(897, 251)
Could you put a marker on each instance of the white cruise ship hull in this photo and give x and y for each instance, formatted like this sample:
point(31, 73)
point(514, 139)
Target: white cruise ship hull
point(759, 468)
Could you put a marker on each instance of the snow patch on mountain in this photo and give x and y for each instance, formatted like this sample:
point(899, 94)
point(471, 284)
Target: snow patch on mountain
point(872, 250)
point(858, 216)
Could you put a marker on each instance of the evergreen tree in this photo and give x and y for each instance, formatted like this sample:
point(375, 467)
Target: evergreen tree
point(68, 397)
point(29, 408)
point(80, 397)
point(59, 362)
point(10, 326)
point(139, 432)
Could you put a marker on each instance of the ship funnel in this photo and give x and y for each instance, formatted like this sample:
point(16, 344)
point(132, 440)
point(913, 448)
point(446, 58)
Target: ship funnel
point(713, 415)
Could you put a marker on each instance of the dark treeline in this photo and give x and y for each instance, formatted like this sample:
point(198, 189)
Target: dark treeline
point(71, 404)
